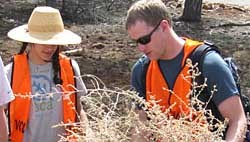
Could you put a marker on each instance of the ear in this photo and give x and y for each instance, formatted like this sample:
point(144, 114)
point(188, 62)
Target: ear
point(165, 25)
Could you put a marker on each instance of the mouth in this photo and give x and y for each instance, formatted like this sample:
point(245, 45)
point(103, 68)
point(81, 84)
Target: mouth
point(47, 56)
point(47, 53)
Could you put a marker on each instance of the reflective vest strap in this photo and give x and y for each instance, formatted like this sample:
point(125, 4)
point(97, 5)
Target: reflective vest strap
point(20, 106)
point(69, 95)
point(155, 82)
point(156, 85)
point(189, 47)
point(181, 93)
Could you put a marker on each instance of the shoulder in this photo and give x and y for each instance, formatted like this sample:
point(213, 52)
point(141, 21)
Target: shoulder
point(8, 68)
point(139, 69)
point(214, 61)
point(140, 64)
point(218, 74)
point(1, 65)
point(74, 63)
point(75, 67)
point(138, 74)
point(65, 59)
point(215, 67)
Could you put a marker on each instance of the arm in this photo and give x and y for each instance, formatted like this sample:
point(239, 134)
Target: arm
point(6, 97)
point(226, 95)
point(3, 126)
point(237, 120)
point(81, 88)
point(136, 82)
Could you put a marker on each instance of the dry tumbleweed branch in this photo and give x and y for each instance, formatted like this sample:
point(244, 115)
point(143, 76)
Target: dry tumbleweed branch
point(112, 117)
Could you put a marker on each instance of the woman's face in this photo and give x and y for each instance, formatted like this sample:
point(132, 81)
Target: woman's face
point(41, 53)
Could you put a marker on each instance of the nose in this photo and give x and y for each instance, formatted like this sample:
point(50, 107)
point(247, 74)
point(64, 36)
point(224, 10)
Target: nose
point(51, 47)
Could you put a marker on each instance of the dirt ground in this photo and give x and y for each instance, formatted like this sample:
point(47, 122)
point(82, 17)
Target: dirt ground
point(107, 52)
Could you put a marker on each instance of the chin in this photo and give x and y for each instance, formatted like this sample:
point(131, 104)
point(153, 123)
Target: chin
point(152, 58)
point(47, 59)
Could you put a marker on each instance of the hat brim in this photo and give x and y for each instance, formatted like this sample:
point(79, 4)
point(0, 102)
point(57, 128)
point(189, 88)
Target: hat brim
point(65, 37)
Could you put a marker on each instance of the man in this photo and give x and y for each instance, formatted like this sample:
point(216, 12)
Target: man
point(149, 24)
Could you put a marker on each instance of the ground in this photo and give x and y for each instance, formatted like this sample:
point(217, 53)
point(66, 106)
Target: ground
point(107, 52)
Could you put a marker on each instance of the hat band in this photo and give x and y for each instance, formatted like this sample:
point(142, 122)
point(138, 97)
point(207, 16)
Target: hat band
point(45, 28)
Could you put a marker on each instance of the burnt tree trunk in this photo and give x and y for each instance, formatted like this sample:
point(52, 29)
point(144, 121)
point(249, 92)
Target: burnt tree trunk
point(192, 10)
point(51, 3)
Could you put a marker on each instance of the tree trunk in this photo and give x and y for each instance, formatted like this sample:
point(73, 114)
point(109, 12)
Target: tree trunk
point(192, 10)
point(51, 3)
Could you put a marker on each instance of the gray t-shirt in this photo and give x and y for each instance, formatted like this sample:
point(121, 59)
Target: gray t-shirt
point(214, 69)
point(46, 103)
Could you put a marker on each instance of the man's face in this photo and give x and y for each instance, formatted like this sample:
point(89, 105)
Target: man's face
point(147, 39)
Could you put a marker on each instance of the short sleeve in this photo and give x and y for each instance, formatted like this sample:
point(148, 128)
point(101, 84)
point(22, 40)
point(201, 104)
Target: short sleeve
point(136, 77)
point(6, 94)
point(218, 74)
point(79, 82)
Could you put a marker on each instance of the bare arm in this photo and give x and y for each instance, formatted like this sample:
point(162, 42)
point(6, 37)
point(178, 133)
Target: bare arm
point(82, 116)
point(83, 91)
point(232, 109)
point(3, 125)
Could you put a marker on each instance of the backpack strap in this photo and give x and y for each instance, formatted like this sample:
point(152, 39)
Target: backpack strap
point(198, 56)
point(199, 53)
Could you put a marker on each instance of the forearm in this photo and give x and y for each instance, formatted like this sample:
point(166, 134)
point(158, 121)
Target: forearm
point(237, 119)
point(236, 131)
point(3, 126)
point(82, 122)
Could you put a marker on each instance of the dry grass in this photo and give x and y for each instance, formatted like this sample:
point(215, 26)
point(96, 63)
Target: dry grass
point(112, 117)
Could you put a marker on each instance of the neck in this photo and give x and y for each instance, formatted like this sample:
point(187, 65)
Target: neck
point(174, 45)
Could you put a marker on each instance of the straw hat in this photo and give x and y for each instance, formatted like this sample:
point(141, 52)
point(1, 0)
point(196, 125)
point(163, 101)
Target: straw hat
point(45, 26)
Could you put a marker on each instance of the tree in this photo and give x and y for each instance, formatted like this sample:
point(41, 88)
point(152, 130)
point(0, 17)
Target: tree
point(192, 10)
point(52, 3)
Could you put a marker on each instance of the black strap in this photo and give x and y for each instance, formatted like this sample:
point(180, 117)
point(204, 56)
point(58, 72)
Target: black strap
point(198, 56)
point(199, 53)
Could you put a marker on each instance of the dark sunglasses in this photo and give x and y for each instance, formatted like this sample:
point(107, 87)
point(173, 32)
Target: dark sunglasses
point(147, 38)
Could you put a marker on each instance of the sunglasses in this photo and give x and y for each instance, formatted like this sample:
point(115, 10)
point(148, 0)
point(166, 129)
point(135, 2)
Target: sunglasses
point(147, 38)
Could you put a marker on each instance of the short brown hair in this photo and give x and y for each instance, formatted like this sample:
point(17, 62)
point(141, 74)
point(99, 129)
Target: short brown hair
point(149, 11)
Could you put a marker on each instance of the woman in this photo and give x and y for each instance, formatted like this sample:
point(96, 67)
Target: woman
point(6, 96)
point(48, 84)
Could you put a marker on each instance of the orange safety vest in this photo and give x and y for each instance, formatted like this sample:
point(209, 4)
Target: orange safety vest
point(21, 85)
point(157, 88)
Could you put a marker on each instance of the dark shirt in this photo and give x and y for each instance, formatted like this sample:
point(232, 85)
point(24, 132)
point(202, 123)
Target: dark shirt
point(214, 69)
